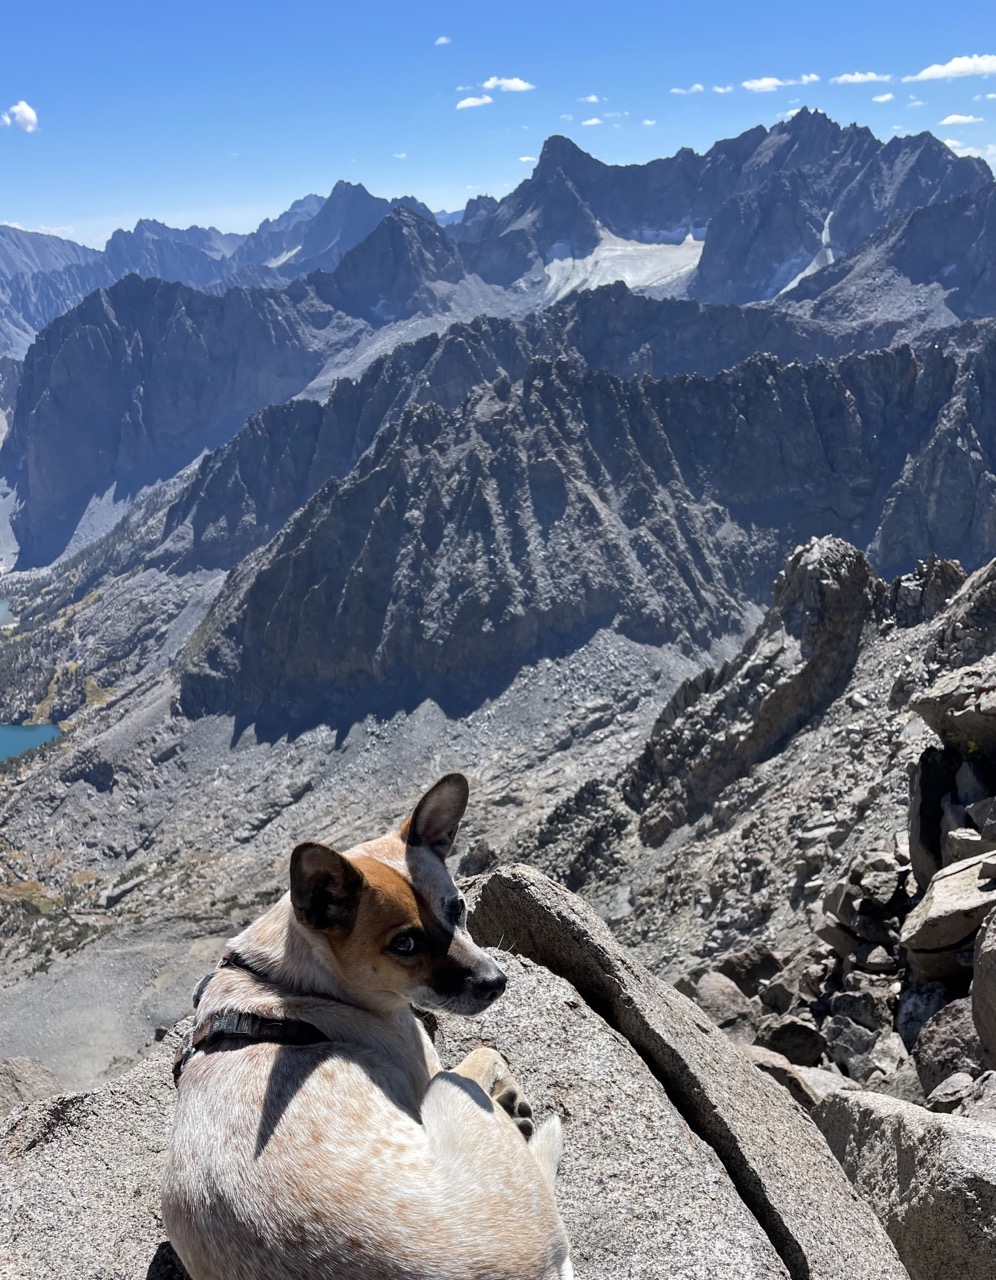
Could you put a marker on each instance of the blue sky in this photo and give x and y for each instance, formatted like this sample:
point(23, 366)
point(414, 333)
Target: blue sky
point(223, 114)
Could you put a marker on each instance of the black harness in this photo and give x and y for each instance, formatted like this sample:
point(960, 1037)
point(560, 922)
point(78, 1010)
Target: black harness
point(246, 1028)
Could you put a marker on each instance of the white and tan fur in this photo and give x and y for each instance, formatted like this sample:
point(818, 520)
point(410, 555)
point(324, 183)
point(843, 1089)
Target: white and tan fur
point(360, 1159)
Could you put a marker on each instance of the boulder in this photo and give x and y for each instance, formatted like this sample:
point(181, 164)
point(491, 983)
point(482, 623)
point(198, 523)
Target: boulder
point(947, 1043)
point(752, 967)
point(916, 1005)
point(963, 843)
point(621, 1133)
point(796, 1038)
point(960, 707)
point(951, 1093)
point(807, 1085)
point(984, 991)
point(24, 1080)
point(724, 1002)
point(979, 1103)
point(777, 1162)
point(931, 1180)
point(957, 901)
point(860, 1051)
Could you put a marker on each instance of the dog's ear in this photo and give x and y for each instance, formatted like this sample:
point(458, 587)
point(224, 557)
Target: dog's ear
point(325, 887)
point(437, 815)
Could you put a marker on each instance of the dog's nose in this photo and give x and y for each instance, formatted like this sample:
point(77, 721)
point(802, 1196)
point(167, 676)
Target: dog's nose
point(490, 988)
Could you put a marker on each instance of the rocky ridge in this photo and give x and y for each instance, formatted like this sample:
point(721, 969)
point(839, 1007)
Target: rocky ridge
point(472, 508)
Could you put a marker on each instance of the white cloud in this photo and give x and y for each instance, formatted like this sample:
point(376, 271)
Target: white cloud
point(65, 233)
point(883, 97)
point(722, 88)
point(696, 88)
point(765, 84)
point(567, 117)
point(956, 119)
point(473, 102)
point(592, 97)
point(915, 102)
point(527, 159)
point(768, 84)
point(508, 84)
point(593, 120)
point(649, 122)
point(860, 77)
point(22, 115)
point(400, 155)
point(442, 40)
point(794, 112)
point(615, 115)
point(977, 64)
point(980, 153)
point(464, 88)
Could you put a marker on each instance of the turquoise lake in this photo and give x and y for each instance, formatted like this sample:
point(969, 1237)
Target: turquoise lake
point(15, 738)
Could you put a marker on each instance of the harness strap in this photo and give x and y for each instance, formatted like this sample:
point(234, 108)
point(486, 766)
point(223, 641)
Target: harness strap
point(239, 1026)
point(247, 1028)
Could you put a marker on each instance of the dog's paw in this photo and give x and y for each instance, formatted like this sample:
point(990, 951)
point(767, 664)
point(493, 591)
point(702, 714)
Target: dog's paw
point(509, 1097)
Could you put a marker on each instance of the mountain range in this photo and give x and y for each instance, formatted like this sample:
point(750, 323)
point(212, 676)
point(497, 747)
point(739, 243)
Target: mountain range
point(291, 519)
point(765, 208)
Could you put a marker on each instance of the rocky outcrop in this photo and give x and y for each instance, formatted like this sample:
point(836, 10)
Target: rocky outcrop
point(797, 662)
point(762, 447)
point(648, 1086)
point(930, 1178)
point(785, 1181)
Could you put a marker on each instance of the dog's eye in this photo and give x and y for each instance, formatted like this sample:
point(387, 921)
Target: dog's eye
point(405, 944)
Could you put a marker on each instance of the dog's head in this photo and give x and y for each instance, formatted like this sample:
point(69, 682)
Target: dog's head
point(394, 921)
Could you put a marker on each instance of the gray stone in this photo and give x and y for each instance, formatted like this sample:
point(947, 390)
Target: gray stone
point(916, 1005)
point(24, 1080)
point(963, 843)
point(955, 904)
point(972, 784)
point(960, 706)
point(980, 1102)
point(96, 1156)
point(750, 968)
point(984, 991)
point(796, 1038)
point(947, 1043)
point(724, 1002)
point(777, 1163)
point(807, 1085)
point(931, 1180)
point(950, 1093)
point(621, 1131)
point(860, 1051)
point(904, 1084)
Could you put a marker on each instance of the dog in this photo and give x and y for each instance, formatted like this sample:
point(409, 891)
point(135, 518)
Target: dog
point(315, 1134)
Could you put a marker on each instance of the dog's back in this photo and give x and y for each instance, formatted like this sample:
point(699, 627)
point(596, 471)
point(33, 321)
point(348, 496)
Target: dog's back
point(354, 1156)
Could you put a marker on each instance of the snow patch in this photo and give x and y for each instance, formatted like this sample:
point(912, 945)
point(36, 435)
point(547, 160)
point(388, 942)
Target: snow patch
point(287, 256)
point(636, 264)
point(822, 258)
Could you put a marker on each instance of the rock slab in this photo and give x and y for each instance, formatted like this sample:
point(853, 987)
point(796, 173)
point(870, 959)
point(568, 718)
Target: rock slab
point(930, 1178)
point(777, 1161)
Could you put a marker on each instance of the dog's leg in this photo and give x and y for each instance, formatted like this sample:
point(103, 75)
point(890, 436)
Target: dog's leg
point(490, 1070)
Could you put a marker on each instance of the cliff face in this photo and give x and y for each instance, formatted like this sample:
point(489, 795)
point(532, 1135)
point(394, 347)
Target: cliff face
point(132, 386)
point(467, 542)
